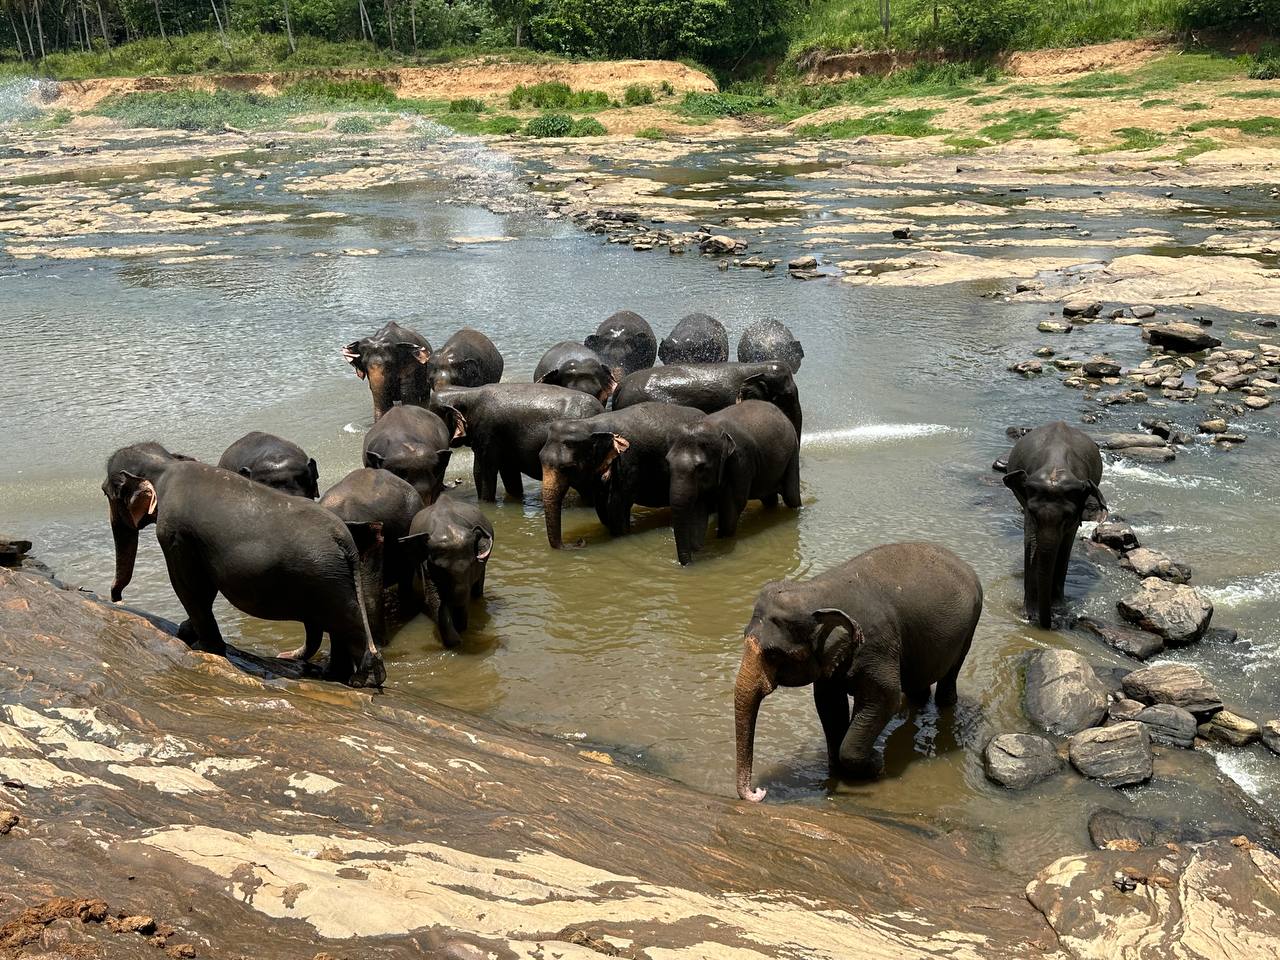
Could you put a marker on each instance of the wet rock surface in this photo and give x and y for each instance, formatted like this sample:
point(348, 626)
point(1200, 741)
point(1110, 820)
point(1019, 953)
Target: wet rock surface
point(1178, 613)
point(1175, 683)
point(1020, 760)
point(1118, 755)
point(1182, 337)
point(1230, 728)
point(1168, 724)
point(1063, 693)
point(1138, 644)
point(1150, 563)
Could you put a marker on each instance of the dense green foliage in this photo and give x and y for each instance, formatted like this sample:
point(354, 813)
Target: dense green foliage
point(1232, 13)
point(549, 125)
point(556, 96)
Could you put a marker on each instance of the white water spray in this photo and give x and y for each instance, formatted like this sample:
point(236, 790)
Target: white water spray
point(870, 433)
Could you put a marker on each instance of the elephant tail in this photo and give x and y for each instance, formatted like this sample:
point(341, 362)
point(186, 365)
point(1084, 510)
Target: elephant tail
point(370, 668)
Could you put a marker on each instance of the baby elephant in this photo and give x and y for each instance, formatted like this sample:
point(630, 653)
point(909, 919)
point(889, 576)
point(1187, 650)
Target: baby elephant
point(274, 461)
point(413, 443)
point(891, 621)
point(450, 542)
point(745, 452)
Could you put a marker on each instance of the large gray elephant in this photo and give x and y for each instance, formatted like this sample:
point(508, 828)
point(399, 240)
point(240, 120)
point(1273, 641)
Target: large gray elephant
point(467, 359)
point(569, 364)
point(745, 452)
point(892, 621)
point(1054, 471)
point(273, 556)
point(412, 443)
point(697, 338)
point(279, 463)
point(714, 386)
point(770, 340)
point(394, 360)
point(449, 543)
point(625, 342)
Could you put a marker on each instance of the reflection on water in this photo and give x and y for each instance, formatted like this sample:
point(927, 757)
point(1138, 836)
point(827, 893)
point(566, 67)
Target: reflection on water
point(616, 645)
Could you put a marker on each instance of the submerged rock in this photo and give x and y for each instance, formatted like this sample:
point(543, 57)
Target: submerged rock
point(1063, 693)
point(1169, 724)
point(1230, 728)
point(1098, 367)
point(1143, 312)
point(1135, 643)
point(1181, 337)
point(1119, 755)
point(1118, 831)
point(1054, 326)
point(1018, 760)
point(1081, 308)
point(1174, 683)
point(1148, 563)
point(1178, 613)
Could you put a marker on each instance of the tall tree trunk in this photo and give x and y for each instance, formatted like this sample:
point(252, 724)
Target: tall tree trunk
point(160, 20)
point(288, 28)
point(221, 33)
point(519, 29)
point(84, 22)
point(40, 29)
point(102, 22)
point(22, 54)
point(413, 25)
point(26, 25)
point(391, 30)
point(368, 23)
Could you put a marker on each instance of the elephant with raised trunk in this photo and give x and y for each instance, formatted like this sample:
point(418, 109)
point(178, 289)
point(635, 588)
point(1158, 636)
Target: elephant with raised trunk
point(697, 338)
point(619, 457)
point(505, 424)
point(412, 443)
point(713, 386)
point(394, 361)
point(1054, 471)
point(273, 556)
point(745, 452)
point(449, 544)
point(571, 365)
point(892, 621)
point(625, 342)
point(277, 462)
point(770, 340)
point(467, 359)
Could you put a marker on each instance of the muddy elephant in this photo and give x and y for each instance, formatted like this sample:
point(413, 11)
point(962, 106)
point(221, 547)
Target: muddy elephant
point(273, 556)
point(1054, 471)
point(366, 495)
point(620, 457)
point(625, 343)
point(505, 424)
point(745, 452)
point(394, 361)
point(697, 338)
point(278, 463)
point(467, 359)
point(892, 621)
point(449, 543)
point(571, 365)
point(714, 386)
point(412, 443)
point(770, 340)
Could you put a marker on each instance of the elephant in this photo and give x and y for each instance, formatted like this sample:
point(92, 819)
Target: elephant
point(745, 452)
point(620, 457)
point(1053, 471)
point(714, 386)
point(394, 359)
point(570, 364)
point(449, 543)
point(268, 459)
point(625, 342)
point(412, 443)
point(505, 424)
point(892, 621)
point(467, 359)
point(697, 338)
point(273, 556)
point(378, 496)
point(770, 340)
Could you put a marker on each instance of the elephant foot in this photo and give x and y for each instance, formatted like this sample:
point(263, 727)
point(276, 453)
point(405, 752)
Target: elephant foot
point(298, 653)
point(753, 795)
point(372, 672)
point(868, 768)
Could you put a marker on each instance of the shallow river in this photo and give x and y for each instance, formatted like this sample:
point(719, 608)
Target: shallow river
point(615, 646)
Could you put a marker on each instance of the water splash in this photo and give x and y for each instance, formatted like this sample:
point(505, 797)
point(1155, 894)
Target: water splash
point(1127, 470)
point(1248, 770)
point(870, 433)
point(485, 176)
point(19, 100)
point(1246, 590)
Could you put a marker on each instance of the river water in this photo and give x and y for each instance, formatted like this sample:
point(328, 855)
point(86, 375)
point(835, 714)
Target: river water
point(616, 647)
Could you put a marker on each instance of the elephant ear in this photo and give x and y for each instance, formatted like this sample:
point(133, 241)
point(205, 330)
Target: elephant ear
point(1096, 493)
point(352, 354)
point(551, 377)
point(246, 473)
point(367, 535)
point(1017, 482)
point(471, 371)
point(829, 620)
point(454, 417)
point(728, 447)
point(614, 447)
point(374, 460)
point(484, 543)
point(754, 387)
point(313, 472)
point(594, 342)
point(137, 496)
point(416, 350)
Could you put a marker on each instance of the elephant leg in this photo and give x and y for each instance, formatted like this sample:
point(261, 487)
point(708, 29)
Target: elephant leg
point(477, 588)
point(444, 623)
point(727, 518)
point(196, 592)
point(873, 708)
point(833, 710)
point(917, 696)
point(769, 501)
point(485, 474)
point(791, 484)
point(944, 694)
point(512, 481)
point(310, 646)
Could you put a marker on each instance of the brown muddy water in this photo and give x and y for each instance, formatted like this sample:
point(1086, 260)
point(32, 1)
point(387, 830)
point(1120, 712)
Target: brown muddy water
point(615, 646)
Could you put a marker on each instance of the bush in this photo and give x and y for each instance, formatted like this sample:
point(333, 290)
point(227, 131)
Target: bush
point(651, 133)
point(587, 127)
point(637, 95)
point(1232, 13)
point(353, 124)
point(359, 91)
point(503, 124)
point(549, 125)
point(977, 27)
point(466, 105)
point(557, 96)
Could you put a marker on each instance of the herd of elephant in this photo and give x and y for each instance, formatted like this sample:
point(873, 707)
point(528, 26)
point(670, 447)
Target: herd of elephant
point(698, 434)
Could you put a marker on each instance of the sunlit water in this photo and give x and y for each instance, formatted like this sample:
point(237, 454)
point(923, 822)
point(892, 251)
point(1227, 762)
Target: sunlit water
point(615, 645)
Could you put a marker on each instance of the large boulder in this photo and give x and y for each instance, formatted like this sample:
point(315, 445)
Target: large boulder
point(1169, 724)
point(1174, 683)
point(1181, 337)
point(1138, 644)
point(1119, 755)
point(1230, 728)
point(1178, 613)
point(1018, 760)
point(1064, 694)
point(1151, 563)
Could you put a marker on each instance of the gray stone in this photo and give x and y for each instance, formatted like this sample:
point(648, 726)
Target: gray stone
point(1178, 613)
point(722, 244)
point(1138, 644)
point(1230, 728)
point(1143, 312)
point(1121, 710)
point(1169, 724)
point(1174, 683)
point(1148, 563)
point(1081, 308)
point(1121, 441)
point(1027, 368)
point(1147, 454)
point(1181, 337)
point(803, 263)
point(1117, 831)
point(1063, 694)
point(1115, 534)
point(902, 233)
point(1101, 367)
point(1213, 425)
point(1119, 755)
point(1054, 326)
point(1018, 760)
point(1271, 735)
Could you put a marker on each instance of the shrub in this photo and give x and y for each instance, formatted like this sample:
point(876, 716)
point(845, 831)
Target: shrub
point(651, 133)
point(557, 96)
point(667, 89)
point(353, 124)
point(587, 127)
point(503, 124)
point(317, 88)
point(637, 95)
point(1232, 13)
point(466, 105)
point(549, 125)
point(976, 27)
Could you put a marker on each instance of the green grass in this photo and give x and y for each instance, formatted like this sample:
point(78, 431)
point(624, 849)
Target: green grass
point(894, 123)
point(353, 123)
point(1024, 125)
point(985, 100)
point(651, 133)
point(966, 143)
point(1133, 138)
point(1194, 105)
point(1257, 126)
point(499, 125)
point(1196, 147)
point(1254, 94)
point(1159, 102)
point(556, 96)
point(637, 95)
point(466, 105)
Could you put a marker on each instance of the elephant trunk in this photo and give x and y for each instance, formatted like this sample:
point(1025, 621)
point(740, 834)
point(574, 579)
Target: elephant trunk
point(755, 682)
point(554, 487)
point(383, 389)
point(125, 534)
point(689, 521)
point(1044, 560)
